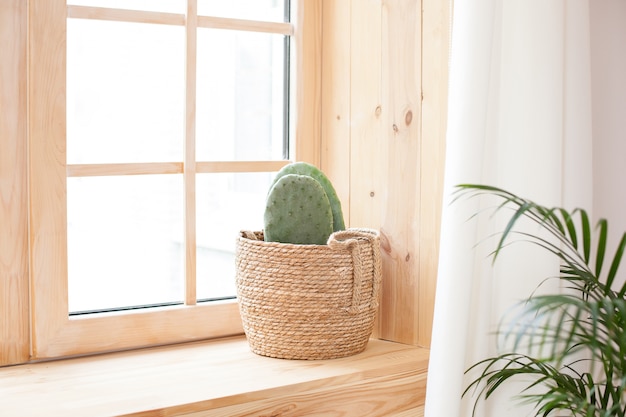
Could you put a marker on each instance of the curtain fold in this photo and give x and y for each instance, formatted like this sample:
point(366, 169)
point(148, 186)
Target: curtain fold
point(519, 117)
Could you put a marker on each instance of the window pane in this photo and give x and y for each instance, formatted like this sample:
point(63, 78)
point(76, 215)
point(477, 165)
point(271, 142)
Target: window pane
point(226, 204)
point(268, 10)
point(169, 6)
point(125, 241)
point(125, 92)
point(240, 95)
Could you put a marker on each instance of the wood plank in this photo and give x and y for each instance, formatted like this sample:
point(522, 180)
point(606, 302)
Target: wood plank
point(336, 117)
point(368, 145)
point(414, 412)
point(14, 304)
point(368, 185)
point(400, 229)
point(379, 165)
point(155, 168)
point(436, 34)
point(108, 332)
point(189, 174)
point(376, 397)
point(47, 130)
point(142, 168)
point(222, 376)
point(240, 166)
point(212, 22)
point(307, 56)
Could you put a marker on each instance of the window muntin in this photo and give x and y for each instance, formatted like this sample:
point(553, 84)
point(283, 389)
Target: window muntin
point(126, 104)
point(166, 6)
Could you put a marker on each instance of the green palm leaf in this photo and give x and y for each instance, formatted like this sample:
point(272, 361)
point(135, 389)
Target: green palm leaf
point(570, 348)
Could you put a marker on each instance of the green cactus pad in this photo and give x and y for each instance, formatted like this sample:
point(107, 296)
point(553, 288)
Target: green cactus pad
point(298, 211)
point(303, 168)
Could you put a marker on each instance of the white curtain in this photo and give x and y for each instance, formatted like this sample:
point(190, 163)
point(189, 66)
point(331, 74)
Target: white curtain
point(519, 118)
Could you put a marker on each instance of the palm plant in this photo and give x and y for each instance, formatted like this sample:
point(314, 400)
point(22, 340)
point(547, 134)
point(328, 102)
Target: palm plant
point(570, 347)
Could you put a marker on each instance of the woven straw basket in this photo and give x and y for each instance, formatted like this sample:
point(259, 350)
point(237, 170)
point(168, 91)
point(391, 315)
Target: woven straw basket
point(309, 301)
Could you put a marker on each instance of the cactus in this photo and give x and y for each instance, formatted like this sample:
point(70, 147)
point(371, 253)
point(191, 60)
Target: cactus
point(298, 211)
point(303, 168)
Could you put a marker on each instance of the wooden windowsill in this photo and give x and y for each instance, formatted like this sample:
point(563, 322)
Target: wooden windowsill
point(219, 378)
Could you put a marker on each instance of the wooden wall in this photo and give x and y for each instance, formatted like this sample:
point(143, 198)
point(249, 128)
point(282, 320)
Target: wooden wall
point(384, 87)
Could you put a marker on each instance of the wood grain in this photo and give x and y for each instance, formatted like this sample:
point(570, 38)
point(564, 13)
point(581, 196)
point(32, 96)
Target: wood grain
point(126, 330)
point(435, 53)
point(388, 74)
point(382, 396)
point(47, 130)
point(400, 229)
point(219, 378)
point(368, 150)
point(414, 412)
point(14, 307)
point(336, 116)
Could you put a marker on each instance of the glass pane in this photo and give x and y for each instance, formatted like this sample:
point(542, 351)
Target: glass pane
point(226, 204)
point(125, 92)
point(267, 10)
point(240, 95)
point(125, 241)
point(169, 6)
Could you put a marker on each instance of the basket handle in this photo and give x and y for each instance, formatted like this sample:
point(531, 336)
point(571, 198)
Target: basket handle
point(349, 240)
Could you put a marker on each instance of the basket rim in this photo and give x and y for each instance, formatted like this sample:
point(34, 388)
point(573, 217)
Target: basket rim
point(257, 236)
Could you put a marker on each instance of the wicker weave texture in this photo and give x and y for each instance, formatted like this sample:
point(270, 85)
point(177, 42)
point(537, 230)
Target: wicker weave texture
point(309, 301)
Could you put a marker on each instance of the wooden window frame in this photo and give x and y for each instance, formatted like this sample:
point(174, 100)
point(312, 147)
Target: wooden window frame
point(53, 332)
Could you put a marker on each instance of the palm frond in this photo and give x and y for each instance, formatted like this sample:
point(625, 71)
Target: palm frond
point(569, 233)
point(570, 348)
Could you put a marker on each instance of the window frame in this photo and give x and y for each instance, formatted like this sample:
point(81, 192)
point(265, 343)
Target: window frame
point(353, 124)
point(53, 332)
